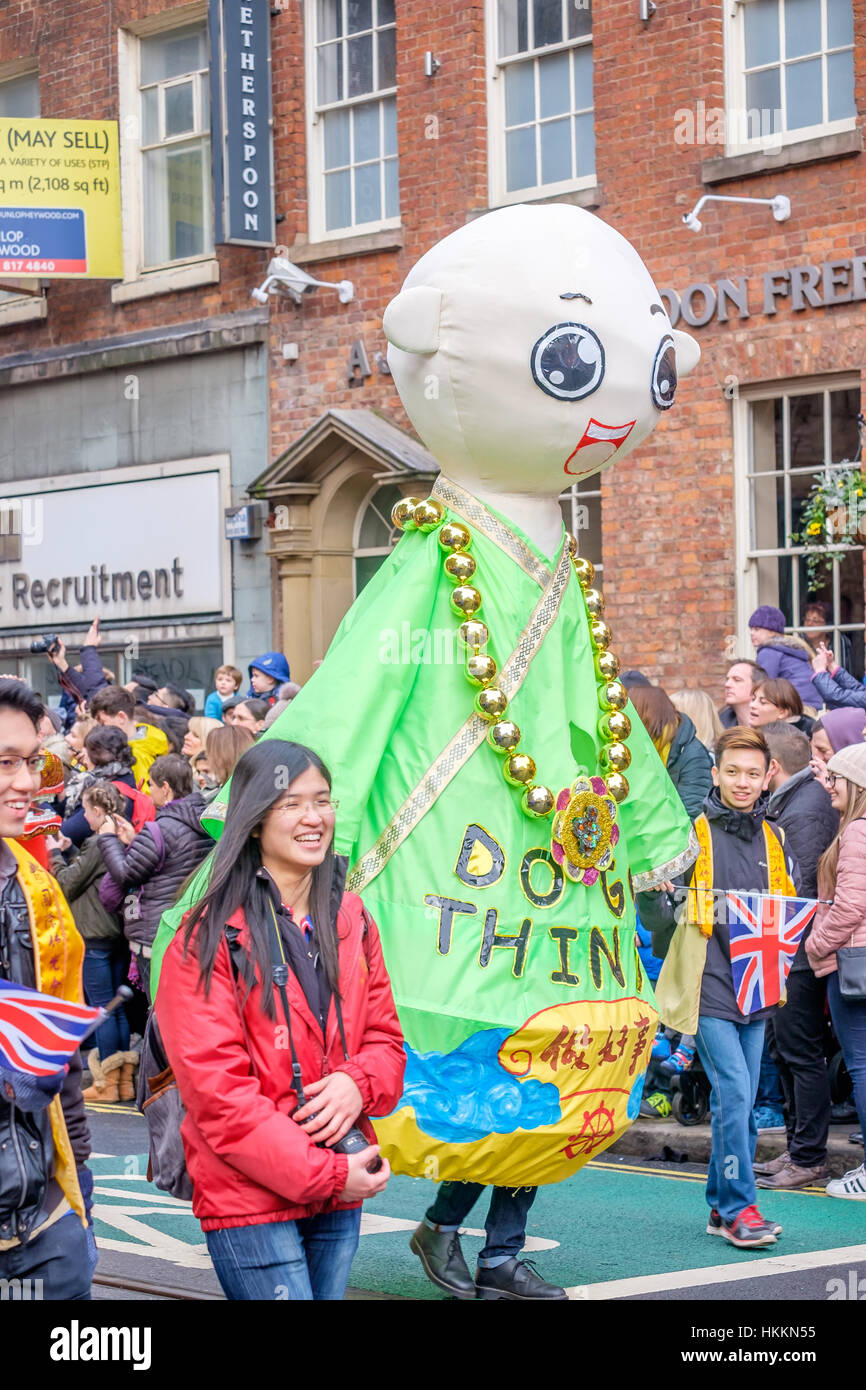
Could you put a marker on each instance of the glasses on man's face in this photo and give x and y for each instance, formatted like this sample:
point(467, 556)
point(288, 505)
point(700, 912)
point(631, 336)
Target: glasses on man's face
point(322, 805)
point(10, 766)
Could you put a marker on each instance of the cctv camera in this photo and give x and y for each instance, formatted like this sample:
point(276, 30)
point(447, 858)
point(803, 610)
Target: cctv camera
point(286, 278)
point(693, 223)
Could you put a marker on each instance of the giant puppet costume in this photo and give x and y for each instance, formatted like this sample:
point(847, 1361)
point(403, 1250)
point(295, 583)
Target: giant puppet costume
point(499, 804)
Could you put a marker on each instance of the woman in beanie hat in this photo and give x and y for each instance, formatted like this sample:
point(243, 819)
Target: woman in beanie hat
point(781, 653)
point(842, 922)
point(834, 730)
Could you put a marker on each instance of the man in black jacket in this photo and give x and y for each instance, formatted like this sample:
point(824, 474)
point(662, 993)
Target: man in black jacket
point(803, 809)
point(44, 1237)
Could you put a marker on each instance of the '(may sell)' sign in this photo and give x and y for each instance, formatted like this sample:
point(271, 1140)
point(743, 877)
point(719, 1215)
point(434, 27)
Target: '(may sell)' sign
point(120, 550)
point(59, 199)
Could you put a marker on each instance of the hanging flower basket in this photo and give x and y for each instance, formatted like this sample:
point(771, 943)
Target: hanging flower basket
point(833, 518)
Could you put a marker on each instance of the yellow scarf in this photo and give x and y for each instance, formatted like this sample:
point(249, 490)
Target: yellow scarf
point(699, 902)
point(58, 953)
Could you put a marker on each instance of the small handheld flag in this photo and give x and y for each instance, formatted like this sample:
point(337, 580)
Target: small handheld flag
point(765, 931)
point(38, 1033)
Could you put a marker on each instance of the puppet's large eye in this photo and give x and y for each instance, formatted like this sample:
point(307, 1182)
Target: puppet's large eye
point(568, 362)
point(663, 386)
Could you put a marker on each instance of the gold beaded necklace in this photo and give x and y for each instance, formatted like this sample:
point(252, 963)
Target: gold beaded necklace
point(584, 831)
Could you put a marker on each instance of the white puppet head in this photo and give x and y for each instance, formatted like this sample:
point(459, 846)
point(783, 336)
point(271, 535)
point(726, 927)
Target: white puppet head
point(531, 348)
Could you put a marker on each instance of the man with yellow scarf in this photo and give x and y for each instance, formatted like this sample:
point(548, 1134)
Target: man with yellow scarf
point(45, 1187)
point(740, 852)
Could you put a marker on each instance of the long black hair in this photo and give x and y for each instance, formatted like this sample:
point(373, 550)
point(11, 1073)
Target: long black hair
point(108, 744)
point(260, 778)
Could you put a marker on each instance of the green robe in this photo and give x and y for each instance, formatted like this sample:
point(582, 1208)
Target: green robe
point(527, 1021)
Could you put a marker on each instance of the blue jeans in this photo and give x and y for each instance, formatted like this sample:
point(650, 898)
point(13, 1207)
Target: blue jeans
point(849, 1023)
point(506, 1217)
point(769, 1084)
point(104, 972)
point(731, 1056)
point(298, 1260)
point(59, 1262)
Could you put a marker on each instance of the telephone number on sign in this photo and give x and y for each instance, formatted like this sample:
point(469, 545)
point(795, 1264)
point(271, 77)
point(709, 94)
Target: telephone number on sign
point(22, 267)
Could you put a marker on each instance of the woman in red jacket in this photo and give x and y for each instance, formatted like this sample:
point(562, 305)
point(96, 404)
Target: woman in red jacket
point(842, 877)
point(280, 1205)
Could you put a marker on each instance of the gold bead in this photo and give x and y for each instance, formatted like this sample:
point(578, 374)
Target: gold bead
point(607, 665)
point(600, 633)
point(428, 515)
point(465, 600)
point(518, 769)
point(503, 736)
point(480, 669)
point(491, 703)
point(617, 785)
point(616, 726)
point(594, 602)
point(473, 634)
point(539, 800)
point(455, 536)
point(401, 513)
point(584, 569)
point(614, 695)
point(459, 566)
point(616, 756)
point(405, 507)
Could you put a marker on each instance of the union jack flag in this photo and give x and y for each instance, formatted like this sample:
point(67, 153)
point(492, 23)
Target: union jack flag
point(38, 1033)
point(765, 932)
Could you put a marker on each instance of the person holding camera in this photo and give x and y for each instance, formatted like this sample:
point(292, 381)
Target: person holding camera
point(79, 682)
point(277, 1018)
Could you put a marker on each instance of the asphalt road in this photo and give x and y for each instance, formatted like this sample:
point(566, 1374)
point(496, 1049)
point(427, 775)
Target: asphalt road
point(625, 1229)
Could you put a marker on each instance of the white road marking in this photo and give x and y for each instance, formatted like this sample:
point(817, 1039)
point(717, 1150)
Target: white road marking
point(154, 1244)
point(372, 1225)
point(173, 1203)
point(750, 1268)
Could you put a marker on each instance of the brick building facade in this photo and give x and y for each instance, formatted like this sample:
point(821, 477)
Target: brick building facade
point(520, 100)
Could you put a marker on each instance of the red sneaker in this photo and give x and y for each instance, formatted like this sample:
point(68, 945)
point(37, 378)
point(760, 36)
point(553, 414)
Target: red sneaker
point(749, 1230)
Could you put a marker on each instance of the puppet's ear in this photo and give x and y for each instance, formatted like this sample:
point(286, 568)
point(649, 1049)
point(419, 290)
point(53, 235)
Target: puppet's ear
point(687, 350)
point(411, 321)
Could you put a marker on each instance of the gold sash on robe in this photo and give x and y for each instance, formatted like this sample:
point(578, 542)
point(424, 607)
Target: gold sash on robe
point(58, 953)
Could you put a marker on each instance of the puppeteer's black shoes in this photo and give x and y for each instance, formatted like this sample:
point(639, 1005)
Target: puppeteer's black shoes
point(516, 1279)
point(442, 1258)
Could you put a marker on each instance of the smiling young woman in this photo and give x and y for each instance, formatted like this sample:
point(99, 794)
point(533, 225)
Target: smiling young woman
point(296, 1040)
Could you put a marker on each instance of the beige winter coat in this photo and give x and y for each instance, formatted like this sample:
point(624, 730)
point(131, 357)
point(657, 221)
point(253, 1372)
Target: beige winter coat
point(843, 923)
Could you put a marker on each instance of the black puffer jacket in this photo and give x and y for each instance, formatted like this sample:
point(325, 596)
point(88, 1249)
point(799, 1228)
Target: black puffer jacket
point(186, 844)
point(690, 767)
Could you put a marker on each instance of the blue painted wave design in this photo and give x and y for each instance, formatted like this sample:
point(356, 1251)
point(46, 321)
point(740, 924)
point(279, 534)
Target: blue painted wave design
point(464, 1095)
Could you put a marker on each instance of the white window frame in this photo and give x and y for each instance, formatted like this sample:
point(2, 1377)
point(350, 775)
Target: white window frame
point(21, 308)
point(746, 557)
point(138, 282)
point(497, 170)
point(363, 553)
point(735, 91)
point(576, 496)
point(316, 230)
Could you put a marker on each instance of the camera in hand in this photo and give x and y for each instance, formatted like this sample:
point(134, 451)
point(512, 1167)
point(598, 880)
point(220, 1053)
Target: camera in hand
point(352, 1143)
point(48, 642)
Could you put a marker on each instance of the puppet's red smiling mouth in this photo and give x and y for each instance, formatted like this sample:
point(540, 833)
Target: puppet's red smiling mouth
point(602, 441)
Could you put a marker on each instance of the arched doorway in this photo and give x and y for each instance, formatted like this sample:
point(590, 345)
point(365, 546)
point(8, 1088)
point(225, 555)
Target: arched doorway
point(375, 533)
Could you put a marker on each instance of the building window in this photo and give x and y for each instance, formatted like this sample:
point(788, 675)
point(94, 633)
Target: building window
point(542, 135)
point(376, 534)
point(788, 437)
point(176, 196)
point(19, 96)
point(581, 512)
point(791, 71)
point(354, 182)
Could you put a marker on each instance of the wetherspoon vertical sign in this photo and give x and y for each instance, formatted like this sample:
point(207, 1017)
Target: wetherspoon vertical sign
point(242, 122)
